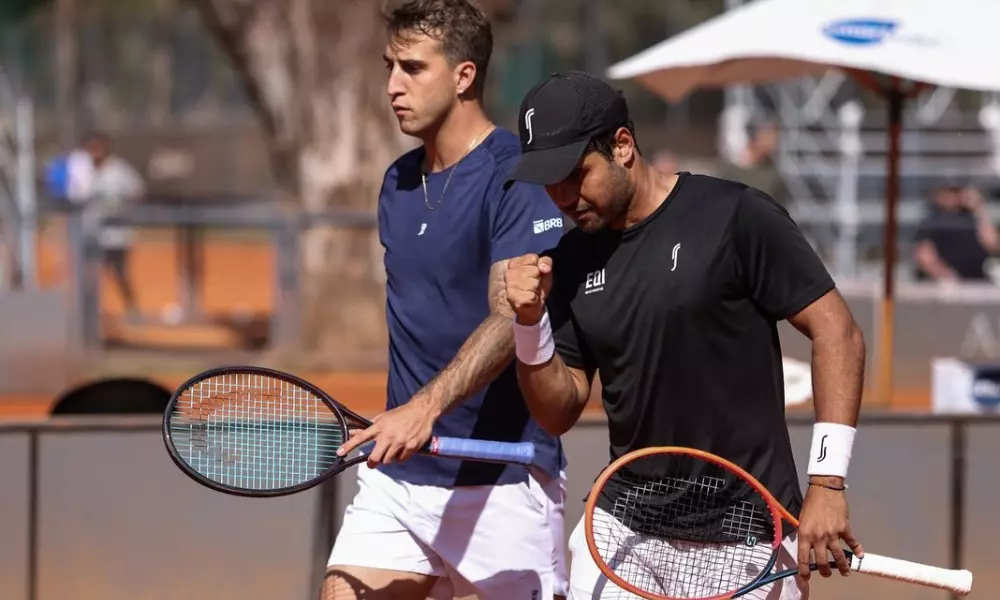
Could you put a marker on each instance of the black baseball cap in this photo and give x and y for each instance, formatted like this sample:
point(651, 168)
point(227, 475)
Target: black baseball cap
point(557, 119)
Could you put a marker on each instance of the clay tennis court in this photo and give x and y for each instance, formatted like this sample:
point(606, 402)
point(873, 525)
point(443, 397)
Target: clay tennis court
point(238, 278)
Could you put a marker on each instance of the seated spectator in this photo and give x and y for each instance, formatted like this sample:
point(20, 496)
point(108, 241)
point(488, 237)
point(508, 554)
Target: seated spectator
point(956, 238)
point(754, 165)
point(665, 161)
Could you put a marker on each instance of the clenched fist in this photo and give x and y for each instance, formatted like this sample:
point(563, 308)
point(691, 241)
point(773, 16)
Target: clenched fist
point(528, 280)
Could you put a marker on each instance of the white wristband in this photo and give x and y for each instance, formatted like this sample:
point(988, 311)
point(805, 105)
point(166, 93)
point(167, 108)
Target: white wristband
point(832, 444)
point(533, 344)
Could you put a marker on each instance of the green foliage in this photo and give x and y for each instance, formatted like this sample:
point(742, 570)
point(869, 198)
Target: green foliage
point(121, 7)
point(13, 10)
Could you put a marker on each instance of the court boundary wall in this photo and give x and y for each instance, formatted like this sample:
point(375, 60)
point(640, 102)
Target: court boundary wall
point(919, 467)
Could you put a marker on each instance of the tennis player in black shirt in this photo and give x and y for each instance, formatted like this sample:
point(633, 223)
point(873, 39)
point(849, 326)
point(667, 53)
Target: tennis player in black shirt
point(671, 287)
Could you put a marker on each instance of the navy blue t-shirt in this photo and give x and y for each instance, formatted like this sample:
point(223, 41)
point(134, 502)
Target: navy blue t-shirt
point(437, 265)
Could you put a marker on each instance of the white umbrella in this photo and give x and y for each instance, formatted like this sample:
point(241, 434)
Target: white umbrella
point(947, 43)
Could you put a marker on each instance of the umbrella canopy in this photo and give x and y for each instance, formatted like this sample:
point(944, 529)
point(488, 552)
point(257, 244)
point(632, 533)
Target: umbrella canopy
point(946, 43)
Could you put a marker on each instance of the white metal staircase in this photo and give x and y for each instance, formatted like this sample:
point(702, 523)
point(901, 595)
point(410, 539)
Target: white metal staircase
point(832, 158)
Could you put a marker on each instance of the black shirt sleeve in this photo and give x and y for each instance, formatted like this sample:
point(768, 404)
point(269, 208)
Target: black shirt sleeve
point(923, 231)
point(569, 344)
point(927, 229)
point(779, 267)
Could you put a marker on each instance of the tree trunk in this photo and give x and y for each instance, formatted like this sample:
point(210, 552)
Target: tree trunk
point(313, 71)
point(67, 72)
point(161, 65)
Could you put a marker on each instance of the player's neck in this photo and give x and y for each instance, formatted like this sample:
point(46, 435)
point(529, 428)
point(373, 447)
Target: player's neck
point(465, 127)
point(652, 187)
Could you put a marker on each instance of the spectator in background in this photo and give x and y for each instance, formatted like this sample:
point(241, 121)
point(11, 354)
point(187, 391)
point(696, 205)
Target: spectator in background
point(754, 165)
point(956, 238)
point(105, 184)
point(666, 162)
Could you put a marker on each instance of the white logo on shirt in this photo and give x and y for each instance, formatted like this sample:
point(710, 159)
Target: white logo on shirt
point(595, 282)
point(527, 124)
point(543, 225)
point(677, 248)
point(423, 228)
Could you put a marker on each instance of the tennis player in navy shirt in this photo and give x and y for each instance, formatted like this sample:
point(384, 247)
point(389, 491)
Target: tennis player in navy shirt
point(430, 527)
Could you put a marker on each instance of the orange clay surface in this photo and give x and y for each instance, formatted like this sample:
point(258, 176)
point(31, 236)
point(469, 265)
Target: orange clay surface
point(238, 275)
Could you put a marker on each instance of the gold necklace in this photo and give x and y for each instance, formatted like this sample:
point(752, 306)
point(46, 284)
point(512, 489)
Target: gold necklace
point(423, 176)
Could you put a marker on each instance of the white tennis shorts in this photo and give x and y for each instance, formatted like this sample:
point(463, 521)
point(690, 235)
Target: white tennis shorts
point(502, 542)
point(588, 583)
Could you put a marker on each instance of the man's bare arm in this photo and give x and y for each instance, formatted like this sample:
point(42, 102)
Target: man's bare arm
point(838, 361)
point(926, 256)
point(838, 358)
point(482, 357)
point(555, 393)
point(403, 430)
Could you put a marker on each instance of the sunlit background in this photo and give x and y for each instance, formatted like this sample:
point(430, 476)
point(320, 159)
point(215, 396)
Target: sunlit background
point(254, 242)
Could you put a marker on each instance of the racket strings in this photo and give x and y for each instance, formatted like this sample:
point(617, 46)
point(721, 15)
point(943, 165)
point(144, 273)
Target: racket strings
point(684, 535)
point(252, 431)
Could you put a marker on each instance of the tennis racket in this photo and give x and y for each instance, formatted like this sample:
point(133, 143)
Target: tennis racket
point(252, 431)
point(674, 523)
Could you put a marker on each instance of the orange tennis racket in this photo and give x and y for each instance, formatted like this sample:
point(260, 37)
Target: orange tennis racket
point(674, 523)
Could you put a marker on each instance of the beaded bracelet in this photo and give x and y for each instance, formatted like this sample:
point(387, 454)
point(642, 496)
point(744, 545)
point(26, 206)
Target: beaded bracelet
point(829, 487)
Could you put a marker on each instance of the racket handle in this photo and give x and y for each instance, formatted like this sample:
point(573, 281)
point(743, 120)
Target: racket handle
point(485, 450)
point(954, 580)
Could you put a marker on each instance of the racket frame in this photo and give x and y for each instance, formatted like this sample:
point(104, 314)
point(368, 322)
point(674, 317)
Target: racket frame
point(341, 413)
point(959, 581)
point(777, 511)
point(521, 453)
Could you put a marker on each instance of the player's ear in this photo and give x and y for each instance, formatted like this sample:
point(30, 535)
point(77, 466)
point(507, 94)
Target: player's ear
point(624, 146)
point(465, 79)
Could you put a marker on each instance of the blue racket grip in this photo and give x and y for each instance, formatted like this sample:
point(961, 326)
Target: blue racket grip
point(509, 452)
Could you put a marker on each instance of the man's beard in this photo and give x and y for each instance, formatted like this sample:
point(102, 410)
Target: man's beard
point(616, 210)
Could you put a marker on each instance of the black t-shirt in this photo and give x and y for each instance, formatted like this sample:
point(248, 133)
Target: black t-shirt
point(679, 314)
point(954, 235)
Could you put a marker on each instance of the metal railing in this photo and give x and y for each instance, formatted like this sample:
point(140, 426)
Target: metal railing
point(191, 222)
point(961, 321)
